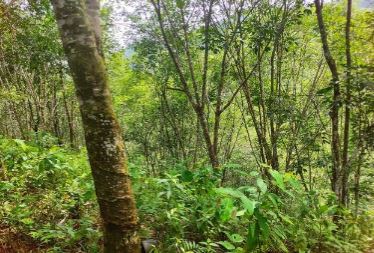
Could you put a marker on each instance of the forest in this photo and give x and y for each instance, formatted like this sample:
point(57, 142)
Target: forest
point(187, 126)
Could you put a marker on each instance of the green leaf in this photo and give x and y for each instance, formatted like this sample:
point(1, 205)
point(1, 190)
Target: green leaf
point(286, 218)
point(324, 91)
point(264, 227)
point(240, 213)
point(252, 238)
point(249, 189)
point(228, 191)
point(21, 143)
point(274, 199)
point(248, 204)
point(262, 185)
point(4, 186)
point(253, 173)
point(235, 238)
point(187, 176)
point(227, 245)
point(278, 179)
point(227, 207)
point(27, 221)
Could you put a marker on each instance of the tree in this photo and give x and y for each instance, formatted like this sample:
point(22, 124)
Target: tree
point(79, 26)
point(204, 84)
point(347, 113)
point(340, 156)
point(334, 112)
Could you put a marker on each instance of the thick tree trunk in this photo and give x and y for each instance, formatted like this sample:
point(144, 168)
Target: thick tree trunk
point(104, 141)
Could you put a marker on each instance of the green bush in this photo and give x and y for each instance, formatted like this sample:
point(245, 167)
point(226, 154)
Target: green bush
point(47, 194)
point(189, 213)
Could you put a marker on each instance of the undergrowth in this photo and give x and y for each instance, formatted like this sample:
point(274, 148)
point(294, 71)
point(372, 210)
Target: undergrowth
point(46, 193)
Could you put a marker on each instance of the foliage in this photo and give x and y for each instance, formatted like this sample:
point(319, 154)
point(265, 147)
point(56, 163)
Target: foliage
point(189, 214)
point(47, 193)
point(250, 87)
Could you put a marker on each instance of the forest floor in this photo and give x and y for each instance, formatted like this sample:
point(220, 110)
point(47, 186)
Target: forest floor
point(12, 242)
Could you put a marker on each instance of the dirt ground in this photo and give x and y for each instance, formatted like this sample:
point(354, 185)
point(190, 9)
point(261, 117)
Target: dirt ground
point(12, 242)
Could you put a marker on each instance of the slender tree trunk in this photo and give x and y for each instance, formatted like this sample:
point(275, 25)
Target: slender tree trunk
point(357, 175)
point(273, 139)
point(262, 97)
point(18, 120)
point(361, 152)
point(172, 120)
point(334, 111)
point(260, 136)
point(54, 115)
point(196, 98)
point(69, 118)
point(105, 145)
point(213, 156)
point(347, 115)
point(197, 144)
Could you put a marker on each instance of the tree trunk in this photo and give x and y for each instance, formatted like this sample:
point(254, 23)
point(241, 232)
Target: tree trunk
point(273, 138)
point(213, 156)
point(357, 184)
point(345, 167)
point(334, 111)
point(69, 117)
point(105, 145)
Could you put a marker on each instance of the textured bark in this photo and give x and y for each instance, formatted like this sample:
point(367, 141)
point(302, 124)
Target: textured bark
point(334, 111)
point(93, 11)
point(104, 141)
